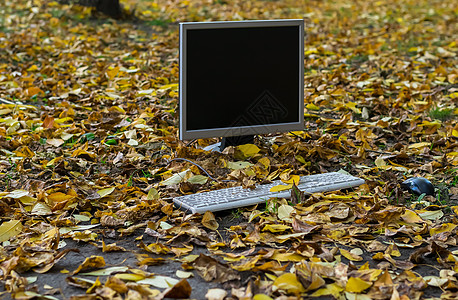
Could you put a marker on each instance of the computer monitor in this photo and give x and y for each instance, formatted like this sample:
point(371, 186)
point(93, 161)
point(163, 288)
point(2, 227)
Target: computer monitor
point(241, 78)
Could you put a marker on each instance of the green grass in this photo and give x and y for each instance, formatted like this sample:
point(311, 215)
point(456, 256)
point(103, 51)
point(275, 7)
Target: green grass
point(158, 22)
point(357, 59)
point(441, 114)
point(236, 214)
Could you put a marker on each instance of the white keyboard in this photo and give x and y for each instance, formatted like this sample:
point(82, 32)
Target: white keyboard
point(235, 197)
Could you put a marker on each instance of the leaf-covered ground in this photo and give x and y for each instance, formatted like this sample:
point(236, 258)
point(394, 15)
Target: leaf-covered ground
point(88, 131)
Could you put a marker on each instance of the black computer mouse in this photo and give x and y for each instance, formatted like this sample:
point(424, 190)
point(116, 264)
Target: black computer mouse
point(418, 185)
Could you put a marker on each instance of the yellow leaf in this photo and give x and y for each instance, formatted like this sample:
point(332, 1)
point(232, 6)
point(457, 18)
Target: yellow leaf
point(393, 250)
point(350, 256)
point(312, 106)
point(419, 145)
point(130, 277)
point(248, 150)
point(27, 200)
point(59, 197)
point(32, 68)
point(90, 263)
point(63, 120)
point(288, 282)
point(352, 106)
point(281, 187)
point(32, 91)
point(455, 133)
point(357, 285)
point(384, 280)
point(10, 229)
point(380, 162)
point(276, 227)
point(293, 179)
point(282, 257)
point(300, 159)
point(411, 217)
point(282, 238)
point(111, 73)
point(170, 86)
point(105, 192)
point(330, 289)
point(238, 165)
point(153, 194)
point(198, 179)
point(261, 297)
point(447, 227)
point(264, 161)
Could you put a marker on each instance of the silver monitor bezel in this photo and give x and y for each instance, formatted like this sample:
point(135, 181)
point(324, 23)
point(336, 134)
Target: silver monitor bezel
point(185, 134)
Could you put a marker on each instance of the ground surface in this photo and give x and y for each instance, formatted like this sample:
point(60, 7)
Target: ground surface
point(88, 131)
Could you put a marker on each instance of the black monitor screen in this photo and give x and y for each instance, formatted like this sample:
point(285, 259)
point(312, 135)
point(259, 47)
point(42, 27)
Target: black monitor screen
point(241, 77)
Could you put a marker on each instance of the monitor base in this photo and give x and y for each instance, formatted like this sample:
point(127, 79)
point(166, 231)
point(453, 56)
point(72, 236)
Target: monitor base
point(236, 140)
point(230, 141)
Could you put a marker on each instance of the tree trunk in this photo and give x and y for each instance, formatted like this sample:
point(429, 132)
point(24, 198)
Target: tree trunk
point(110, 8)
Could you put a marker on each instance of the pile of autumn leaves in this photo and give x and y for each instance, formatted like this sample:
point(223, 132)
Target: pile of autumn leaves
point(89, 146)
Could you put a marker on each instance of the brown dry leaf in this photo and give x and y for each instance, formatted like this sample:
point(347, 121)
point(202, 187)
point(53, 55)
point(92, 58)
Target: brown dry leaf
point(349, 255)
point(156, 248)
point(180, 290)
point(209, 221)
point(116, 284)
point(48, 122)
point(212, 270)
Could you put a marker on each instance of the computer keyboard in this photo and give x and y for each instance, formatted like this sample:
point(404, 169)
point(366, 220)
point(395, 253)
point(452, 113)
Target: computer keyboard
point(235, 197)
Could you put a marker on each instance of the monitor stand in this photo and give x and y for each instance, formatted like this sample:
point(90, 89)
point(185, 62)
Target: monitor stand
point(231, 141)
point(236, 140)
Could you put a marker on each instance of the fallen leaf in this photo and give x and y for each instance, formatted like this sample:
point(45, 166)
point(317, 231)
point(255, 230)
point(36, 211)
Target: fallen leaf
point(216, 294)
point(9, 229)
point(212, 270)
point(289, 283)
point(180, 290)
point(209, 221)
point(91, 262)
point(357, 285)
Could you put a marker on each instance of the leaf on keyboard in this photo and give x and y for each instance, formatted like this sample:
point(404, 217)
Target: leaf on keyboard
point(293, 179)
point(209, 221)
point(281, 187)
